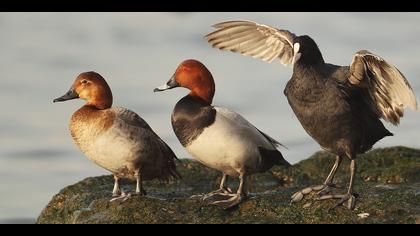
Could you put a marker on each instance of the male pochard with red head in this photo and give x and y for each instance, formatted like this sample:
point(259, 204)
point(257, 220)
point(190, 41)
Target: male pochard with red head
point(218, 137)
point(116, 138)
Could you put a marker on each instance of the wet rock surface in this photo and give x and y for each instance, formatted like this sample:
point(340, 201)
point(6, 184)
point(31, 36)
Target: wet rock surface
point(388, 181)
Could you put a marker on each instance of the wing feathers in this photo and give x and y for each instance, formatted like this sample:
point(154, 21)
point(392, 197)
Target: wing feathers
point(389, 90)
point(253, 39)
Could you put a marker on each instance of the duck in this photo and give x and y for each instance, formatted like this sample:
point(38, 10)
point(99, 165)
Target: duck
point(116, 138)
point(217, 137)
point(340, 107)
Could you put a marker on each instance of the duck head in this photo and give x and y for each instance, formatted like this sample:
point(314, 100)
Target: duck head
point(193, 75)
point(92, 87)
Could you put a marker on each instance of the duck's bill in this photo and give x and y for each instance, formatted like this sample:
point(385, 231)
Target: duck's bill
point(162, 88)
point(71, 94)
point(172, 83)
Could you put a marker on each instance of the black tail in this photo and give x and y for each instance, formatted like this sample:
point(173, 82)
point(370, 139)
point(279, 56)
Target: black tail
point(272, 140)
point(271, 158)
point(373, 131)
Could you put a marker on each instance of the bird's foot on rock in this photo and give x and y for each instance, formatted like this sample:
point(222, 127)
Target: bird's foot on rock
point(231, 202)
point(222, 192)
point(350, 198)
point(115, 195)
point(121, 198)
point(219, 192)
point(321, 190)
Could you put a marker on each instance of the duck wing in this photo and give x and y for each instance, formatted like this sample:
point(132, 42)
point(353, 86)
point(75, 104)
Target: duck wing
point(253, 39)
point(387, 90)
point(133, 119)
point(267, 148)
point(240, 120)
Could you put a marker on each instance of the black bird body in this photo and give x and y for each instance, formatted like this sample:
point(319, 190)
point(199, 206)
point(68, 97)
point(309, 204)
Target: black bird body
point(332, 112)
point(340, 107)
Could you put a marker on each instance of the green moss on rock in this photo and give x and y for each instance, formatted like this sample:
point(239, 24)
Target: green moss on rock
point(388, 183)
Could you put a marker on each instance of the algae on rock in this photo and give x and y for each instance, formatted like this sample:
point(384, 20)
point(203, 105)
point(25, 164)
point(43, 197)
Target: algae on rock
point(388, 181)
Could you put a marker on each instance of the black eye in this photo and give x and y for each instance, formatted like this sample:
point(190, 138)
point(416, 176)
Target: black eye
point(84, 81)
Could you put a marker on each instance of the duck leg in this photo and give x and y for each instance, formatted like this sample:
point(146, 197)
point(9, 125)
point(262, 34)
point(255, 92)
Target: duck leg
point(124, 196)
point(117, 194)
point(236, 198)
point(223, 185)
point(222, 191)
point(321, 189)
point(350, 197)
point(139, 184)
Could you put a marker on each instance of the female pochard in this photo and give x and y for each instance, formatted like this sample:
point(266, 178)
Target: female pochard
point(116, 138)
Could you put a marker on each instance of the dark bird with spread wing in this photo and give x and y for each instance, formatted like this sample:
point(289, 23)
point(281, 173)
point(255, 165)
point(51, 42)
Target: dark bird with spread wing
point(338, 106)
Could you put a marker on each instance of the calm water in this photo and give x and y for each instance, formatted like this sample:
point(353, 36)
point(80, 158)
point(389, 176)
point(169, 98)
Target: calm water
point(41, 53)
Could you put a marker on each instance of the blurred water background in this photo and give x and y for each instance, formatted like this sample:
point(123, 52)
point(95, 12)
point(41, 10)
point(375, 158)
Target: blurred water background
point(41, 54)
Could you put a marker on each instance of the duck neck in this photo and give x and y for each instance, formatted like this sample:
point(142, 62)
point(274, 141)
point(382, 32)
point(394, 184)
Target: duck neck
point(204, 89)
point(100, 105)
point(204, 95)
point(102, 100)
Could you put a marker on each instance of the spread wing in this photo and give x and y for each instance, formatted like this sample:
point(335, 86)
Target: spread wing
point(253, 39)
point(388, 89)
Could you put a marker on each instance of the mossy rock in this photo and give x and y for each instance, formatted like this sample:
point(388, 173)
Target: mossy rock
point(388, 183)
point(384, 165)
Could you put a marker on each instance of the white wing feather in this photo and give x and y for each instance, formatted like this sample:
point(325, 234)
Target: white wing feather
point(253, 39)
point(389, 90)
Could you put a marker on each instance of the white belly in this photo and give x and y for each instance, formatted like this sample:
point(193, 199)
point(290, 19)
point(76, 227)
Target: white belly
point(227, 147)
point(113, 151)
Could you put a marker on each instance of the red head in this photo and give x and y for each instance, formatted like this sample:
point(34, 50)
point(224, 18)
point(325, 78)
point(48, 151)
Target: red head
point(193, 75)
